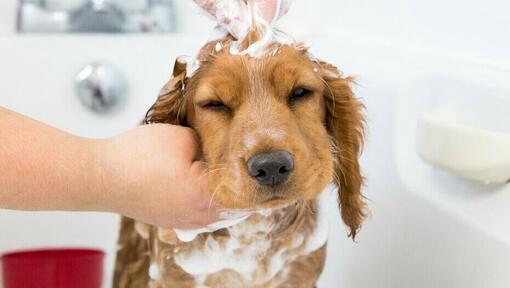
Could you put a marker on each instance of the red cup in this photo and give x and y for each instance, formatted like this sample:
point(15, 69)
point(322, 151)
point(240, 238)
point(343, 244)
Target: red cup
point(53, 268)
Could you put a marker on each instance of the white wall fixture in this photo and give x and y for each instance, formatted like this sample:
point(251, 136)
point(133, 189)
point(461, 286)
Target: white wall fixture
point(457, 105)
point(465, 151)
point(101, 86)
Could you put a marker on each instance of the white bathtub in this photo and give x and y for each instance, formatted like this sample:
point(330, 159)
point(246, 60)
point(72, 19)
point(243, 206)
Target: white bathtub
point(426, 229)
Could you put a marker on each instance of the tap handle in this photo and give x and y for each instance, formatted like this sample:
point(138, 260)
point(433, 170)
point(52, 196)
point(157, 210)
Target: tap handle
point(40, 3)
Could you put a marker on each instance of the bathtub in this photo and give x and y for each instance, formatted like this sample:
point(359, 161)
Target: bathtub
point(426, 228)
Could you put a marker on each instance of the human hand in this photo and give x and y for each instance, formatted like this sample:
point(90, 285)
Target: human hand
point(152, 174)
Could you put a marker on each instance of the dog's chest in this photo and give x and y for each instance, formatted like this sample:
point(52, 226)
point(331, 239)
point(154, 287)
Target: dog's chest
point(248, 253)
point(253, 253)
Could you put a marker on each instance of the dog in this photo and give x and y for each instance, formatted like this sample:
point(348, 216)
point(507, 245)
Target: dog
point(275, 129)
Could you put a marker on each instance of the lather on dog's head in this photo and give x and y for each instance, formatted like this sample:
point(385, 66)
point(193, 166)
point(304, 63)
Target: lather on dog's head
point(274, 129)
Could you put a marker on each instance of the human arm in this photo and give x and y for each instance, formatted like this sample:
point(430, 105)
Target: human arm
point(150, 173)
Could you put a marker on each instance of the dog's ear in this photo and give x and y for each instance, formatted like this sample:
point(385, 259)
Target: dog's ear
point(345, 123)
point(170, 107)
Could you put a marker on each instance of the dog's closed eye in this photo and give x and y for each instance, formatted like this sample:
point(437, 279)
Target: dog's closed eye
point(299, 94)
point(215, 106)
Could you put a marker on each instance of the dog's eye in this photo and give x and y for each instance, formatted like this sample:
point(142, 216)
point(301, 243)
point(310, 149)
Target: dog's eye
point(216, 105)
point(299, 93)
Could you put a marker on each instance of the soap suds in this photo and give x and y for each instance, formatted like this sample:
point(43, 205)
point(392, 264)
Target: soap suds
point(192, 64)
point(232, 254)
point(230, 218)
point(154, 272)
point(248, 245)
point(321, 230)
point(237, 18)
point(190, 235)
point(218, 47)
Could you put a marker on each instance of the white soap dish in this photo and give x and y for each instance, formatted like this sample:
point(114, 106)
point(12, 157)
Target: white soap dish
point(462, 150)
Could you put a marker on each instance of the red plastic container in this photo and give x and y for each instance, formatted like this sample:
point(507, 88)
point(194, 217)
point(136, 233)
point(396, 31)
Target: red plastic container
point(53, 268)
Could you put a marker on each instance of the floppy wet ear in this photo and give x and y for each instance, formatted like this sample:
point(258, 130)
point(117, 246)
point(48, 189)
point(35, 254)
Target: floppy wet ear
point(170, 105)
point(345, 123)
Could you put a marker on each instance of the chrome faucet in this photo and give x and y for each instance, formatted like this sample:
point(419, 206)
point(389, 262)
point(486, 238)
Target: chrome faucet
point(107, 16)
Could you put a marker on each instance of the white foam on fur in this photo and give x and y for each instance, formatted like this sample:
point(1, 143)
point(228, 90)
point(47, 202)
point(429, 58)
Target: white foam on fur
point(154, 272)
point(231, 218)
point(244, 258)
point(232, 254)
point(261, 48)
point(321, 232)
point(227, 13)
point(190, 235)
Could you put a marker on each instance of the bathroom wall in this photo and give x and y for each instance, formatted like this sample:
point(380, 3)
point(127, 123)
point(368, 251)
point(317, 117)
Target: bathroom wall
point(465, 28)
point(472, 29)
point(7, 16)
point(462, 28)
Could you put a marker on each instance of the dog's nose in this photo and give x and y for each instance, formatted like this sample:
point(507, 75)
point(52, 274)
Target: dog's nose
point(271, 168)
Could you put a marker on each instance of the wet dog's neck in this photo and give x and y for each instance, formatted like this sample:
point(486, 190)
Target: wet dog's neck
point(255, 251)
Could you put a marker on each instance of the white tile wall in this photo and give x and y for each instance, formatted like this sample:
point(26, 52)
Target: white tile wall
point(471, 28)
point(7, 16)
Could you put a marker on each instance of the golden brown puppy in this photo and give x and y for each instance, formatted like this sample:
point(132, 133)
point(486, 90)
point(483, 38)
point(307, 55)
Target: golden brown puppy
point(275, 130)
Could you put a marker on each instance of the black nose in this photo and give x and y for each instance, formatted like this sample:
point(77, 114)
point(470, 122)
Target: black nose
point(271, 168)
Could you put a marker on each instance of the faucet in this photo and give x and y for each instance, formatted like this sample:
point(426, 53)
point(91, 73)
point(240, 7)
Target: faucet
point(103, 16)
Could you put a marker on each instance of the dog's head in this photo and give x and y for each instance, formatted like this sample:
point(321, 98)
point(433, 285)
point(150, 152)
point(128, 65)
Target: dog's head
point(274, 129)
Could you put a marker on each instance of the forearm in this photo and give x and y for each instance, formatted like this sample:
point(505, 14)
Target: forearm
point(149, 173)
point(42, 168)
